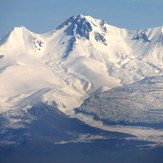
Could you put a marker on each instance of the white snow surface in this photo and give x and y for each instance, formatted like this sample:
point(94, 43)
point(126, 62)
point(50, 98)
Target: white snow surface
point(67, 64)
point(137, 103)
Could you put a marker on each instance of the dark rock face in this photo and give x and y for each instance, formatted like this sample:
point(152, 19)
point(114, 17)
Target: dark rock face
point(141, 36)
point(77, 25)
point(83, 28)
point(70, 46)
point(100, 38)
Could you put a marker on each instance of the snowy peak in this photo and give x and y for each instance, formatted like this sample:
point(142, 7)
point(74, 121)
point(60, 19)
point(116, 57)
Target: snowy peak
point(141, 36)
point(22, 38)
point(18, 33)
point(82, 26)
point(150, 35)
point(78, 25)
point(20, 30)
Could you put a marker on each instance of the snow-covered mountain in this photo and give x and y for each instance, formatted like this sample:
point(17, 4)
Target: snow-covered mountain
point(66, 65)
point(110, 78)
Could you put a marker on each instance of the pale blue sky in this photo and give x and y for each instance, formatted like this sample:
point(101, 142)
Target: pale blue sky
point(45, 15)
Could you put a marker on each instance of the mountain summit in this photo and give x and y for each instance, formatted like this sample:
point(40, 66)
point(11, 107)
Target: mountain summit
point(82, 26)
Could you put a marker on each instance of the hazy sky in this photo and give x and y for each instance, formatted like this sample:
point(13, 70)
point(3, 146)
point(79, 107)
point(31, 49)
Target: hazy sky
point(44, 15)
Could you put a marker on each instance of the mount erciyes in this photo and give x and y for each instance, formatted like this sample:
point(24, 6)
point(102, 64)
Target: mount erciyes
point(85, 68)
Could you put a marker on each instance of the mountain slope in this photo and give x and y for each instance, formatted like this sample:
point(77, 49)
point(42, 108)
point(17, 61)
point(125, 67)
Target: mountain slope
point(44, 134)
point(137, 104)
point(66, 65)
point(43, 124)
